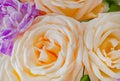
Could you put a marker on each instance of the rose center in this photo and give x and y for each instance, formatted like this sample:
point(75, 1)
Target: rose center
point(46, 51)
point(110, 49)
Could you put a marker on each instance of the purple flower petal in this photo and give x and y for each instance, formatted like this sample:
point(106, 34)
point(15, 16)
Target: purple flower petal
point(118, 79)
point(15, 18)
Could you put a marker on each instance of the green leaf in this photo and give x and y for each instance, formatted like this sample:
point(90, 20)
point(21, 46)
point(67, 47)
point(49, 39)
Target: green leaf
point(85, 78)
point(114, 7)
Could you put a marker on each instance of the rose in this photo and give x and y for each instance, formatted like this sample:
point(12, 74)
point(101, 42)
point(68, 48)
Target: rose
point(51, 50)
point(78, 9)
point(102, 47)
point(15, 18)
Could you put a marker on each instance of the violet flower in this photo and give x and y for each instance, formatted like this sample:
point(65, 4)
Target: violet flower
point(118, 79)
point(15, 18)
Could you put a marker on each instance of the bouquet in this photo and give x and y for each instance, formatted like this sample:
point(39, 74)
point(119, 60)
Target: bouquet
point(59, 40)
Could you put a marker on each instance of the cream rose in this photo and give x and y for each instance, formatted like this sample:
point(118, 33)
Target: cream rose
point(78, 9)
point(1, 56)
point(50, 51)
point(7, 72)
point(102, 47)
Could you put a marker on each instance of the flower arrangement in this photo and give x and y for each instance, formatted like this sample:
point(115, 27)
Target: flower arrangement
point(59, 40)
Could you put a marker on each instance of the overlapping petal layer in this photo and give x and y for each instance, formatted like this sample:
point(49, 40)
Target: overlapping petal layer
point(7, 72)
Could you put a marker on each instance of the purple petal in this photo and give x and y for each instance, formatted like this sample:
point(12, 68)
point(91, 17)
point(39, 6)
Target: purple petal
point(6, 47)
point(26, 22)
point(3, 33)
point(118, 79)
point(15, 18)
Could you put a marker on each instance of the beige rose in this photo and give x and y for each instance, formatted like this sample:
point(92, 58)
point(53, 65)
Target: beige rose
point(78, 9)
point(51, 50)
point(102, 47)
point(7, 72)
point(1, 56)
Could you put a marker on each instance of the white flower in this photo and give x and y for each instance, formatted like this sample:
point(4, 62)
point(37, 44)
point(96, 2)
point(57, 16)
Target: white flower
point(102, 47)
point(78, 9)
point(51, 50)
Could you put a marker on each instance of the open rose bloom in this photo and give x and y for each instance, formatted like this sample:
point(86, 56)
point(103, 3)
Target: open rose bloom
point(102, 47)
point(51, 50)
point(78, 9)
